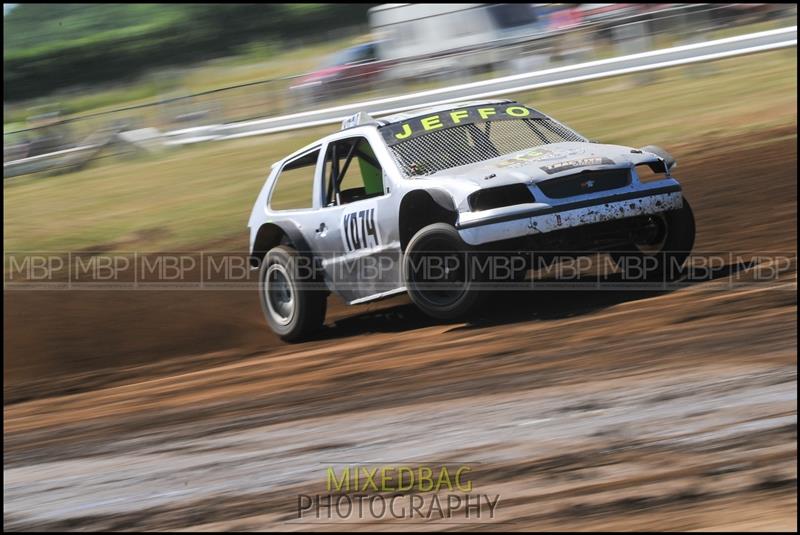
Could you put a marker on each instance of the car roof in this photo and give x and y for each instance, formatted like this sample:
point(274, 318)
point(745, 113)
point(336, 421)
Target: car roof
point(404, 116)
point(317, 143)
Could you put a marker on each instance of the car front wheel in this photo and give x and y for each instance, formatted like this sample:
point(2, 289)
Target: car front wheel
point(438, 273)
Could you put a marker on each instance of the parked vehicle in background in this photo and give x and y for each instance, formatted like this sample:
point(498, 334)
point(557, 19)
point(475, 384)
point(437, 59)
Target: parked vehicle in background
point(436, 31)
point(349, 70)
point(605, 12)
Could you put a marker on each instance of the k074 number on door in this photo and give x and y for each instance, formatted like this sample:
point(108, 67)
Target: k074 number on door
point(360, 230)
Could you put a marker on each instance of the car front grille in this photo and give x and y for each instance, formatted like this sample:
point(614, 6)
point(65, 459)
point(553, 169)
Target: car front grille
point(585, 182)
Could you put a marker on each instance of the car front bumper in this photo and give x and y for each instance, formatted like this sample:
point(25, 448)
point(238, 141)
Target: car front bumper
point(477, 228)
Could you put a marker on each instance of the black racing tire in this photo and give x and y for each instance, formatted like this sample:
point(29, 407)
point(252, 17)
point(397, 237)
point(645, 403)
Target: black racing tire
point(294, 306)
point(662, 258)
point(445, 294)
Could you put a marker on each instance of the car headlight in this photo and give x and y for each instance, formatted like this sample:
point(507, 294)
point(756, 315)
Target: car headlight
point(652, 171)
point(501, 196)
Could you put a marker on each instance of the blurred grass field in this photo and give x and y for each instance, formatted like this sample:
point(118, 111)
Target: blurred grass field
point(258, 62)
point(201, 196)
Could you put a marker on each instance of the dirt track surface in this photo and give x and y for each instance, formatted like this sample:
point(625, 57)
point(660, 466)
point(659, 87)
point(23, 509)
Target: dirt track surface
point(581, 409)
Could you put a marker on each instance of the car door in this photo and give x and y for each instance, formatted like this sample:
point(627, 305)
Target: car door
point(356, 231)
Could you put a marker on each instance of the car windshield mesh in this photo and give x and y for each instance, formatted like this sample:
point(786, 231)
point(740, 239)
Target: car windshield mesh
point(475, 142)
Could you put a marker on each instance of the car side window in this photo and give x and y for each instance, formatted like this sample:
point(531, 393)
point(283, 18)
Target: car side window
point(352, 172)
point(294, 185)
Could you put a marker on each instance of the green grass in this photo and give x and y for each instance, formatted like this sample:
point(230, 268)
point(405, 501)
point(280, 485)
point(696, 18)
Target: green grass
point(679, 105)
point(187, 196)
point(202, 195)
point(258, 61)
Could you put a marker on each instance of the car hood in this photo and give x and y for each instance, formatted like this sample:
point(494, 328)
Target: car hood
point(533, 165)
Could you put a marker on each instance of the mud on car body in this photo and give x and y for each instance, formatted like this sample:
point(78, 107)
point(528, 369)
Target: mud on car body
point(361, 211)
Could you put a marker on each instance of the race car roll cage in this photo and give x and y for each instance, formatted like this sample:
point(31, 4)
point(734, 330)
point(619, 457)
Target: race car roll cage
point(333, 193)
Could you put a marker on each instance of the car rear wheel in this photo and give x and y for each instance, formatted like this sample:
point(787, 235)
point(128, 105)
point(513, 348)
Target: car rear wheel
point(660, 252)
point(293, 305)
point(438, 275)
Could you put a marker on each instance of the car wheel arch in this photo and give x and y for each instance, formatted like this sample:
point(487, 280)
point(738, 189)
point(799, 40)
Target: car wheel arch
point(422, 207)
point(271, 235)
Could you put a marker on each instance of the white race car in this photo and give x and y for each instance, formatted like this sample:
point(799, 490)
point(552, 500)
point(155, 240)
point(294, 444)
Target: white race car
point(362, 208)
